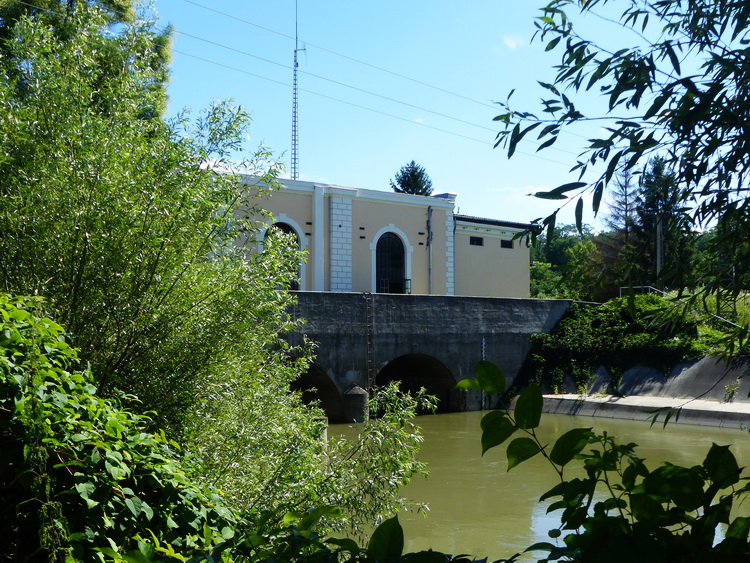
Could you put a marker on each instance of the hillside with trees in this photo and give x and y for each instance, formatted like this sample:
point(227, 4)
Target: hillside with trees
point(649, 241)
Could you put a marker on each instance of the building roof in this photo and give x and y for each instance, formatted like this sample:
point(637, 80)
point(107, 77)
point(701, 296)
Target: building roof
point(497, 222)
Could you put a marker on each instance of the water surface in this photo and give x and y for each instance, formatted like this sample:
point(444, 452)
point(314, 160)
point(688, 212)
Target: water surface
point(478, 507)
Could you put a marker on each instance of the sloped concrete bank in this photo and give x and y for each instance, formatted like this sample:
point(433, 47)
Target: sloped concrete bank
point(707, 393)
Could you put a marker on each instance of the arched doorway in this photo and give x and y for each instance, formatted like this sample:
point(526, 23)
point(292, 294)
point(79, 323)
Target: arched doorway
point(287, 229)
point(390, 265)
point(415, 371)
point(315, 385)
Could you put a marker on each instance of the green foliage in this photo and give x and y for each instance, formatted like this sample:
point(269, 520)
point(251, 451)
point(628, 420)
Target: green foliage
point(412, 179)
point(566, 265)
point(82, 476)
point(673, 90)
point(293, 467)
point(622, 333)
point(553, 250)
point(121, 224)
point(662, 221)
point(128, 227)
point(62, 19)
point(614, 508)
point(364, 473)
point(545, 282)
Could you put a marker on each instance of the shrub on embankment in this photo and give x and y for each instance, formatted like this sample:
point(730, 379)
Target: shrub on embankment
point(82, 476)
point(620, 334)
point(85, 478)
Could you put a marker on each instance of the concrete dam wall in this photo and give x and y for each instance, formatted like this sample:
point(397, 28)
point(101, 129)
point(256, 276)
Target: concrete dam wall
point(421, 340)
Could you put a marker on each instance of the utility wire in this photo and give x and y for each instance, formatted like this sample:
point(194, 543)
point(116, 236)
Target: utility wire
point(245, 53)
point(338, 100)
point(381, 69)
point(358, 61)
point(338, 83)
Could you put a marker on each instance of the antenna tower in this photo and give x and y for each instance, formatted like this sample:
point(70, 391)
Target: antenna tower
point(295, 129)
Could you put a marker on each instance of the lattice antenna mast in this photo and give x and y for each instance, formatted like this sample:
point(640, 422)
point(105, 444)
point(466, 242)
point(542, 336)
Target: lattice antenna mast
point(295, 103)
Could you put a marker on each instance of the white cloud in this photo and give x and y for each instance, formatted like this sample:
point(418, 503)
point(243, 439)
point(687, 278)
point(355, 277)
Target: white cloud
point(514, 42)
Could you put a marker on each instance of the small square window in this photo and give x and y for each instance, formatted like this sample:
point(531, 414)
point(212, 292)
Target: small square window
point(476, 241)
point(506, 244)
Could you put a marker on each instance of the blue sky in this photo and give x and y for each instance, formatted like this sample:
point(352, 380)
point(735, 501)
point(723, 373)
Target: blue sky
point(380, 84)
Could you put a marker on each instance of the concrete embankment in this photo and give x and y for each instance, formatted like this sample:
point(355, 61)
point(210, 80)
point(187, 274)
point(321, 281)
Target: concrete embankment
point(686, 411)
point(708, 393)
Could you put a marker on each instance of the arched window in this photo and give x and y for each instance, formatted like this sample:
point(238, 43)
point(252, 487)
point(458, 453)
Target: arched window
point(286, 228)
point(390, 264)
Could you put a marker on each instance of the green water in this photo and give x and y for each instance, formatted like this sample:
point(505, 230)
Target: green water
point(478, 507)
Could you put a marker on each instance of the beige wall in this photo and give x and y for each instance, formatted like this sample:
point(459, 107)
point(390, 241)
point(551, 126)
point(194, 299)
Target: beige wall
point(457, 267)
point(490, 270)
point(294, 207)
point(373, 218)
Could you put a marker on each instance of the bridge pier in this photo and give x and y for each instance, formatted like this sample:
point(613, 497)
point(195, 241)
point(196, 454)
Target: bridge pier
point(420, 340)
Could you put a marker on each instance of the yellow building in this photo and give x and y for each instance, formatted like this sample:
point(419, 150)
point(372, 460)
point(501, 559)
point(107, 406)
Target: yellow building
point(385, 242)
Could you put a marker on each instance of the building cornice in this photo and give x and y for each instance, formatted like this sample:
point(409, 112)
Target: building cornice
point(443, 201)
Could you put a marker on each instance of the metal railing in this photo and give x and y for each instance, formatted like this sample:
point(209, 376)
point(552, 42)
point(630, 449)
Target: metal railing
point(396, 286)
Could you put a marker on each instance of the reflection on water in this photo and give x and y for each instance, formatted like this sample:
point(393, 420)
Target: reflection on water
point(478, 507)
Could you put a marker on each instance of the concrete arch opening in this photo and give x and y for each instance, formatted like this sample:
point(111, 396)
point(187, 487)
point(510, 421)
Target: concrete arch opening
point(414, 371)
point(315, 385)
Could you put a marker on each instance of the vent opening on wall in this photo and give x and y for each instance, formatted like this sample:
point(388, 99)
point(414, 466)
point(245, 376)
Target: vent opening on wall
point(506, 244)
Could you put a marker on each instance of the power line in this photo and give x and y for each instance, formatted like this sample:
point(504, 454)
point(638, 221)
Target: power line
point(381, 69)
point(379, 112)
point(245, 53)
point(338, 83)
point(358, 61)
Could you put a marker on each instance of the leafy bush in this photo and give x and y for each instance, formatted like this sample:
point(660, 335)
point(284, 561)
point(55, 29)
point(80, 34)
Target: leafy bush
point(121, 221)
point(124, 224)
point(613, 507)
point(622, 333)
point(84, 476)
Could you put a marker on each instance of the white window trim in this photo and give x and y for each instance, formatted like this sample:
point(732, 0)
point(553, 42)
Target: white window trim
point(284, 218)
point(373, 253)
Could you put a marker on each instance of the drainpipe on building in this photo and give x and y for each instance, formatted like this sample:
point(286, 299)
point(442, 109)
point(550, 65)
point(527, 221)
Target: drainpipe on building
point(429, 248)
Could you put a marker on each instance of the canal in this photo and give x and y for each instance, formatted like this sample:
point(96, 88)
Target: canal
point(477, 507)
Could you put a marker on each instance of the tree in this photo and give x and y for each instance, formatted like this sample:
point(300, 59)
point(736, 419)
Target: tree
point(677, 89)
point(553, 249)
point(412, 179)
point(545, 282)
point(621, 214)
point(662, 230)
point(566, 265)
point(695, 119)
point(153, 46)
point(128, 227)
point(102, 475)
point(84, 478)
point(123, 227)
point(616, 246)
